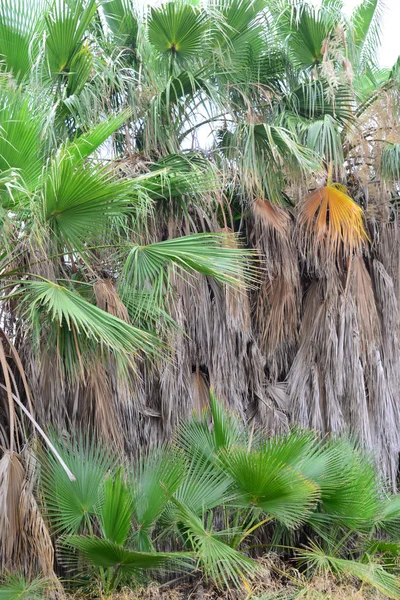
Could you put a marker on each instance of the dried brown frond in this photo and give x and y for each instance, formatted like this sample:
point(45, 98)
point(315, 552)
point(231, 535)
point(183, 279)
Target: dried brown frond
point(237, 300)
point(315, 378)
point(364, 298)
point(107, 299)
point(277, 313)
point(100, 398)
point(12, 476)
point(278, 302)
point(330, 223)
point(271, 215)
point(201, 392)
point(36, 547)
point(273, 408)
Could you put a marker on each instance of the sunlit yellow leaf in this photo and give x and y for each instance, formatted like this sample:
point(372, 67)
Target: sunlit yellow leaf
point(332, 221)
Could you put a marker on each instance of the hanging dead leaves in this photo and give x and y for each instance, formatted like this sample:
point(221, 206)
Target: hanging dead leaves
point(331, 224)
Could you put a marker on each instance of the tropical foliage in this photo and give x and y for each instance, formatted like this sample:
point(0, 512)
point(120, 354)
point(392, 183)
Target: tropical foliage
point(206, 503)
point(193, 195)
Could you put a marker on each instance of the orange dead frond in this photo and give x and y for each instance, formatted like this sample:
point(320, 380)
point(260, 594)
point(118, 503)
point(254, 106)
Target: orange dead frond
point(331, 220)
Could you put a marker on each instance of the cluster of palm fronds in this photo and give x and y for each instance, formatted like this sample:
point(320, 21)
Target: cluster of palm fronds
point(199, 194)
point(210, 501)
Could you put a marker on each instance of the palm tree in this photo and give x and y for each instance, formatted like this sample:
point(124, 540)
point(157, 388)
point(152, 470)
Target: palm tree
point(195, 196)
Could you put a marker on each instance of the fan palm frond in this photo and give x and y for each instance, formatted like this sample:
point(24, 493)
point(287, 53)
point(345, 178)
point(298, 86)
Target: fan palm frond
point(87, 143)
point(21, 29)
point(71, 504)
point(220, 563)
point(365, 33)
point(155, 479)
point(390, 163)
point(121, 20)
point(330, 220)
point(80, 201)
point(264, 482)
point(66, 23)
point(21, 145)
point(177, 30)
point(307, 28)
point(72, 315)
point(104, 553)
point(204, 253)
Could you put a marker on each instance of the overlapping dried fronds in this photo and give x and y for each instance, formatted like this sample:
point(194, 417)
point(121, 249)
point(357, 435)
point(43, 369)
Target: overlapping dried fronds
point(278, 302)
point(26, 542)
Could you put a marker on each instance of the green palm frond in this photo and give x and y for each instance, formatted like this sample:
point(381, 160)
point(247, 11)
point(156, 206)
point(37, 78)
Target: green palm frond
point(144, 310)
point(195, 437)
point(156, 477)
point(264, 151)
point(70, 505)
point(104, 553)
point(180, 86)
point(388, 551)
point(121, 20)
point(368, 84)
point(198, 440)
point(390, 163)
point(220, 563)
point(335, 4)
point(81, 68)
point(204, 488)
point(306, 28)
point(177, 30)
point(239, 15)
point(17, 587)
point(20, 137)
point(352, 497)
point(227, 431)
point(340, 471)
point(264, 482)
point(239, 33)
point(87, 143)
point(21, 32)
point(79, 201)
point(116, 509)
point(365, 33)
point(175, 177)
point(309, 100)
point(323, 137)
point(66, 23)
point(209, 254)
point(388, 516)
point(46, 302)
